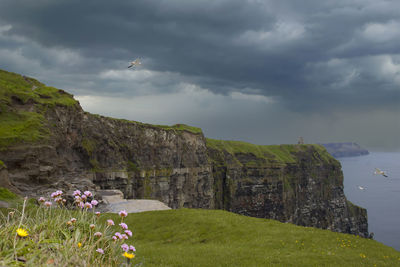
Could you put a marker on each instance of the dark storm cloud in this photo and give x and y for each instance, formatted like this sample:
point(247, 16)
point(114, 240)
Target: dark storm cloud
point(310, 57)
point(280, 48)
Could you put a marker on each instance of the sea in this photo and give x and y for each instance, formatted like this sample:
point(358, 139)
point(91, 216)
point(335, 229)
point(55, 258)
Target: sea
point(381, 196)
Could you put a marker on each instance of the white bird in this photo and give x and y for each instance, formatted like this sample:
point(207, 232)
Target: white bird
point(361, 188)
point(378, 171)
point(135, 63)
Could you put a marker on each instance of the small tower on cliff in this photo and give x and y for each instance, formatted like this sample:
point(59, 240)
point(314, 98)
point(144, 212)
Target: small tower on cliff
point(301, 141)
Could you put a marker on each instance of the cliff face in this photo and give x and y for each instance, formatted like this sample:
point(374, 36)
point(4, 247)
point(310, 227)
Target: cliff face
point(301, 184)
point(143, 161)
point(64, 147)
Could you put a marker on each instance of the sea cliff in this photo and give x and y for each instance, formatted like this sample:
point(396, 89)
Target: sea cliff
point(47, 141)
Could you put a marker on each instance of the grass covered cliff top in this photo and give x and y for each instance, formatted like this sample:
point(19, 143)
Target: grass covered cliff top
point(175, 127)
point(278, 153)
point(21, 89)
point(23, 103)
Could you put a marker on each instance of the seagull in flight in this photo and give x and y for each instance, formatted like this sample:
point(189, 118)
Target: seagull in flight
point(378, 171)
point(361, 188)
point(135, 63)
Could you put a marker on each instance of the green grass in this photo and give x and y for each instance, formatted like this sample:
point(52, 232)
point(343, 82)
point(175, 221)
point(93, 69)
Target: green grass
point(18, 127)
point(54, 239)
point(28, 89)
point(6, 195)
point(181, 127)
point(282, 153)
point(189, 237)
point(176, 127)
point(2, 164)
point(23, 102)
point(184, 237)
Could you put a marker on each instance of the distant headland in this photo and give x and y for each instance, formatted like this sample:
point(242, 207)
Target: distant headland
point(348, 149)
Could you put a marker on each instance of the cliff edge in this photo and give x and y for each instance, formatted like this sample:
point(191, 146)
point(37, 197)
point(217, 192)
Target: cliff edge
point(48, 142)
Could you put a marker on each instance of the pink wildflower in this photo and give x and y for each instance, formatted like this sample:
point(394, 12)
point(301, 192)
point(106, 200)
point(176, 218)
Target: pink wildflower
point(132, 248)
point(123, 213)
point(124, 226)
point(125, 247)
point(92, 226)
point(114, 238)
point(88, 205)
point(117, 234)
point(81, 205)
point(88, 193)
point(77, 193)
point(83, 197)
point(94, 202)
point(73, 220)
point(128, 232)
point(97, 234)
point(42, 199)
point(48, 203)
point(97, 213)
point(99, 250)
point(110, 222)
point(124, 236)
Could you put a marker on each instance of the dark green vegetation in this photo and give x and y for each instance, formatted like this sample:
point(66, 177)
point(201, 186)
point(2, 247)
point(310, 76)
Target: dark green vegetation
point(23, 103)
point(176, 127)
point(191, 237)
point(275, 153)
point(6, 195)
point(181, 127)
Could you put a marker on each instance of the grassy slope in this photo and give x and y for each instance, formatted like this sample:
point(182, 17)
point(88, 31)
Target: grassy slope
point(189, 237)
point(18, 126)
point(6, 195)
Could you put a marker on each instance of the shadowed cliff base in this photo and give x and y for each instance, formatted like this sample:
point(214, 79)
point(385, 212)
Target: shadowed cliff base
point(48, 142)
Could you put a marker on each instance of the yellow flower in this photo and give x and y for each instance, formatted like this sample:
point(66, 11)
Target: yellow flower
point(128, 255)
point(79, 244)
point(22, 232)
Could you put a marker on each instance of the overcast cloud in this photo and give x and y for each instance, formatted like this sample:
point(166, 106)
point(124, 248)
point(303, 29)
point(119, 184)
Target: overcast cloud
point(265, 72)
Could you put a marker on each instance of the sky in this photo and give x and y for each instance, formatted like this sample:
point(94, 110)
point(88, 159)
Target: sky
point(265, 72)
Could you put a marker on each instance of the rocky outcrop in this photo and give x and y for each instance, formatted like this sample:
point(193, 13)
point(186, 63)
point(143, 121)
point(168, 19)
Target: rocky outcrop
point(305, 188)
point(348, 149)
point(176, 165)
point(5, 181)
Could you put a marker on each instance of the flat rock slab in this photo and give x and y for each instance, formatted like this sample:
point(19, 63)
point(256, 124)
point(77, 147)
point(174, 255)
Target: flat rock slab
point(114, 202)
point(136, 205)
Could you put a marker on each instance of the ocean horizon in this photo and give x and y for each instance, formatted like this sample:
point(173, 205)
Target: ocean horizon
point(381, 196)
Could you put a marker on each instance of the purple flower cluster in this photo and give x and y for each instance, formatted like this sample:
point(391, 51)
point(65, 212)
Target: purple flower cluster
point(83, 200)
point(56, 196)
point(127, 233)
point(86, 201)
point(127, 248)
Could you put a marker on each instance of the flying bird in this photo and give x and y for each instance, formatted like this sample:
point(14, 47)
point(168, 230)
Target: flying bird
point(361, 187)
point(135, 63)
point(378, 171)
